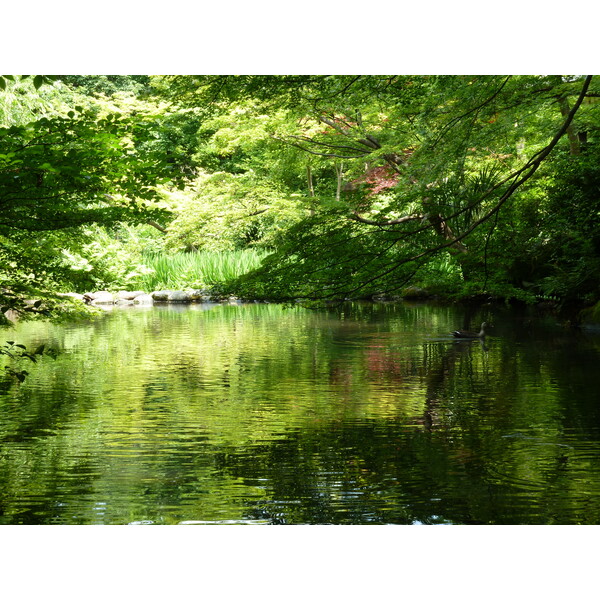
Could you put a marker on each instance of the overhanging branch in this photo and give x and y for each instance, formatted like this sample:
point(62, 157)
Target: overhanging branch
point(518, 178)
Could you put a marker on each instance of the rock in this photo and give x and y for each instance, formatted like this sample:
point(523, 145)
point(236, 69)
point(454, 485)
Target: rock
point(385, 298)
point(144, 300)
point(178, 297)
point(199, 296)
point(129, 295)
point(161, 295)
point(123, 302)
point(102, 298)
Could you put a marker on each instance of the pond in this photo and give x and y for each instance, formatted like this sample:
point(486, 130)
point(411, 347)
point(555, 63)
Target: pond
point(261, 414)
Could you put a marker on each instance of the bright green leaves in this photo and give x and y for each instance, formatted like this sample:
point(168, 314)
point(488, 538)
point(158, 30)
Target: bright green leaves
point(38, 80)
point(63, 162)
point(227, 211)
point(64, 171)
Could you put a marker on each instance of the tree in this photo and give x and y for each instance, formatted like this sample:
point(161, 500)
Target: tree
point(359, 183)
point(62, 172)
point(462, 150)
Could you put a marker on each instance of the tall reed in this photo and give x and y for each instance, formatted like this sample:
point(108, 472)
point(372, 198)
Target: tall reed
point(196, 269)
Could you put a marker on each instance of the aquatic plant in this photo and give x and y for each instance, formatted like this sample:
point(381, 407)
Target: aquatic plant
point(196, 269)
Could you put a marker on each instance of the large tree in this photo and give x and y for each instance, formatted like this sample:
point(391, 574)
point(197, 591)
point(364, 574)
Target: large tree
point(419, 168)
point(61, 172)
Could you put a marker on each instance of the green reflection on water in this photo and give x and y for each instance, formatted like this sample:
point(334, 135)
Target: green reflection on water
point(261, 414)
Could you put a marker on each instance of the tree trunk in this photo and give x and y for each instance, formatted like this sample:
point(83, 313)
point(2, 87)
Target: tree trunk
point(157, 226)
point(309, 179)
point(574, 142)
point(311, 189)
point(339, 170)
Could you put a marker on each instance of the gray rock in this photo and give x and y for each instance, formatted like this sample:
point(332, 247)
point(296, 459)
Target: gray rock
point(179, 297)
point(144, 300)
point(196, 295)
point(102, 298)
point(161, 295)
point(129, 295)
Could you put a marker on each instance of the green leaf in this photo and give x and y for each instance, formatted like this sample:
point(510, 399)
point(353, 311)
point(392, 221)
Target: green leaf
point(2, 83)
point(37, 81)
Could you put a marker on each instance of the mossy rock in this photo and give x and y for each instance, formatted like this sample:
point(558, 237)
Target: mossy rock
point(161, 295)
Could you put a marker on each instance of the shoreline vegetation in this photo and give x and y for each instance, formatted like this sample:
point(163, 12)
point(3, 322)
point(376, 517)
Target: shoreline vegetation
point(218, 277)
point(273, 188)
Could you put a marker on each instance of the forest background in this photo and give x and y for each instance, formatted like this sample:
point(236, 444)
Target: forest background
point(320, 188)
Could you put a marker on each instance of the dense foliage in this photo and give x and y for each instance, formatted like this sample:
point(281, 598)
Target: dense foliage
point(353, 186)
point(71, 169)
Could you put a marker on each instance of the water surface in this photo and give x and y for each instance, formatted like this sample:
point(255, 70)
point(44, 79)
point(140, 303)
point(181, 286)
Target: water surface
point(258, 414)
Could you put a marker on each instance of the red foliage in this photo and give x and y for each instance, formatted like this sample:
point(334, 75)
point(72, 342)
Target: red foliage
point(379, 179)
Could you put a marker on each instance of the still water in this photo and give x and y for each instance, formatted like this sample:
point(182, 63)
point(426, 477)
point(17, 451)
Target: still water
point(260, 414)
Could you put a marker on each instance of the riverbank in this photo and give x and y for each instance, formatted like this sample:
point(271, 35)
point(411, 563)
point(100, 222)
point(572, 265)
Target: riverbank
point(214, 294)
point(575, 317)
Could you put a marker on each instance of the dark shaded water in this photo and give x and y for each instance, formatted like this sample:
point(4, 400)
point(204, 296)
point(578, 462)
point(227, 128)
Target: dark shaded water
point(264, 415)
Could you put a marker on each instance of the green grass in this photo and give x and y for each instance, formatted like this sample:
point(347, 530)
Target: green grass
point(196, 269)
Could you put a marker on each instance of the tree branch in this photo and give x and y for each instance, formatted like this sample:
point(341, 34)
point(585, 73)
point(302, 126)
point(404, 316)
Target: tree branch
point(527, 172)
point(476, 109)
point(157, 226)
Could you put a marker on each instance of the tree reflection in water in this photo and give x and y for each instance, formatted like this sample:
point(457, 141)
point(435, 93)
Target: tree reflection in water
point(260, 414)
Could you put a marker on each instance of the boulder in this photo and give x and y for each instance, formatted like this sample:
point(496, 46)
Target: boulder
point(123, 302)
point(199, 296)
point(144, 300)
point(179, 297)
point(129, 295)
point(102, 298)
point(161, 295)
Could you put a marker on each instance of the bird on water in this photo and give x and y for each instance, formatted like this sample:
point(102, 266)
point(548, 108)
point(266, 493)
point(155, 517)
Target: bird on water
point(470, 334)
